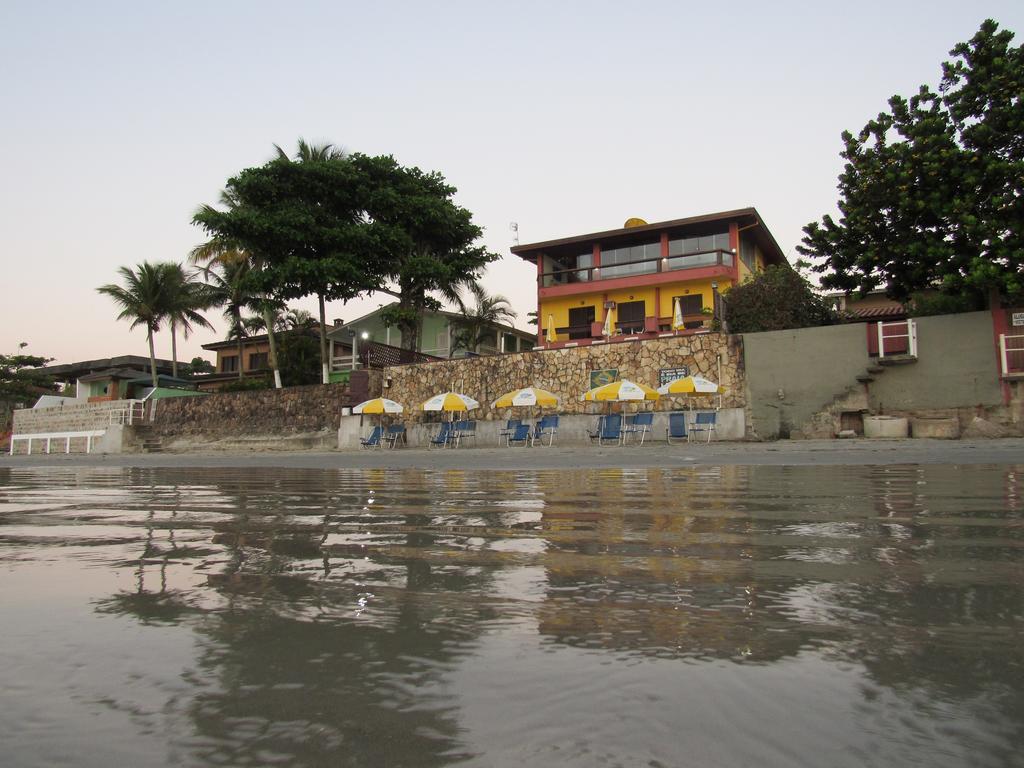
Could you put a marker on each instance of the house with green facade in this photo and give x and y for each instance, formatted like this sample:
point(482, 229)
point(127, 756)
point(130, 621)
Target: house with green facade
point(438, 338)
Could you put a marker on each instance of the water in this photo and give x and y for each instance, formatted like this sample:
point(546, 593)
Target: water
point(725, 616)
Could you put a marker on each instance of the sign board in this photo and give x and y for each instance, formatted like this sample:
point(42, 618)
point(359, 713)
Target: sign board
point(1018, 318)
point(602, 377)
point(665, 375)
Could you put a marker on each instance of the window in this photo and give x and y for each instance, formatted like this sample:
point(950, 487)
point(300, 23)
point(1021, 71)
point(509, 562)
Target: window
point(747, 252)
point(258, 360)
point(567, 268)
point(631, 316)
point(510, 342)
point(580, 319)
point(704, 250)
point(615, 262)
point(229, 363)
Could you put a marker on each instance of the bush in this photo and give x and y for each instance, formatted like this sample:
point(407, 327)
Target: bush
point(775, 299)
point(247, 385)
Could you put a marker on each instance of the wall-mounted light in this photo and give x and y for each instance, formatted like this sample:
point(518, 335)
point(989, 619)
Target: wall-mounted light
point(364, 335)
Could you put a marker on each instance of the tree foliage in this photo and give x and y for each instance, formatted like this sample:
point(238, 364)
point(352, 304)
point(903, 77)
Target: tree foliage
point(932, 192)
point(775, 299)
point(20, 379)
point(478, 322)
point(142, 300)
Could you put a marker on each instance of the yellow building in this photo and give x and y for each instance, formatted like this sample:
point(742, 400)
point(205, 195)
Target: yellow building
point(645, 280)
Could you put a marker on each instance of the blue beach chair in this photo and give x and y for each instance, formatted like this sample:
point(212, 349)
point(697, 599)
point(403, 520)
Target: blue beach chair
point(676, 428)
point(373, 441)
point(546, 426)
point(509, 430)
point(641, 425)
point(443, 436)
point(395, 433)
point(521, 434)
point(705, 422)
point(609, 427)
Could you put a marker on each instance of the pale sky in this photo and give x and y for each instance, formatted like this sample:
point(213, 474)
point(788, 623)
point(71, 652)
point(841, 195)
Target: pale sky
point(120, 118)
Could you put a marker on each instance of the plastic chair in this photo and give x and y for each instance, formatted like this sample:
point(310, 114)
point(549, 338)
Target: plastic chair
point(521, 434)
point(676, 428)
point(395, 433)
point(443, 436)
point(510, 428)
point(373, 441)
point(548, 425)
point(705, 422)
point(463, 429)
point(609, 427)
point(641, 425)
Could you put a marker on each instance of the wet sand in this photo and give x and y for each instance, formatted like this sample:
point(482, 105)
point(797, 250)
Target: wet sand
point(781, 453)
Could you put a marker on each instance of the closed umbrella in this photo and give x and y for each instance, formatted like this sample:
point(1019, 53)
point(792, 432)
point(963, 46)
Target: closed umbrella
point(549, 336)
point(677, 315)
point(607, 330)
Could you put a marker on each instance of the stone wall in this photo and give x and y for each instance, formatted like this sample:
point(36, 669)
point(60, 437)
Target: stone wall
point(566, 372)
point(295, 417)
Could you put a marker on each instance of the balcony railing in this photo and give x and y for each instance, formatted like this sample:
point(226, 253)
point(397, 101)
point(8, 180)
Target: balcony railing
point(698, 260)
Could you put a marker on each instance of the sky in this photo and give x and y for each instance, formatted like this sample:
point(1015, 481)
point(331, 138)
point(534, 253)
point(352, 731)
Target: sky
point(118, 119)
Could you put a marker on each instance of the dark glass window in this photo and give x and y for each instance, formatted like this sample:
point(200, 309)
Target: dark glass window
point(615, 261)
point(631, 316)
point(747, 252)
point(580, 319)
point(258, 360)
point(229, 363)
point(694, 251)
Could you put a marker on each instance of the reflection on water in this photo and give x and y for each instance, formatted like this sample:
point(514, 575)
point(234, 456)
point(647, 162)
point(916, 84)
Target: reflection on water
point(704, 616)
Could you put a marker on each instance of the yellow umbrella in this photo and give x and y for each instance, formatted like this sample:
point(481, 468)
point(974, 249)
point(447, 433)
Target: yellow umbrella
point(527, 397)
point(378, 405)
point(550, 335)
point(691, 385)
point(621, 391)
point(450, 401)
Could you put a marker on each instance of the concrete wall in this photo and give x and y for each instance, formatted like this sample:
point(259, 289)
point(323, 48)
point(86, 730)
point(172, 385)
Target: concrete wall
point(794, 375)
point(572, 430)
point(73, 416)
point(957, 366)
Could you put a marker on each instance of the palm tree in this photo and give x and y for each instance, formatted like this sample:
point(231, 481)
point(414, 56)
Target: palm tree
point(184, 297)
point(142, 300)
point(225, 287)
point(317, 153)
point(223, 251)
point(478, 322)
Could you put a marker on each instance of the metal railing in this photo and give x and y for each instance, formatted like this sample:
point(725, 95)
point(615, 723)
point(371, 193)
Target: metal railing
point(717, 257)
point(1011, 353)
point(67, 437)
point(130, 412)
point(901, 337)
point(374, 354)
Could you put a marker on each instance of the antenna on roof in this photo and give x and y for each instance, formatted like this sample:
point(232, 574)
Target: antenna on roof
point(514, 226)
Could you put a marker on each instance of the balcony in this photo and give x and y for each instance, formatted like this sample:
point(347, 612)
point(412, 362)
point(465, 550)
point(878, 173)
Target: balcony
point(648, 328)
point(661, 269)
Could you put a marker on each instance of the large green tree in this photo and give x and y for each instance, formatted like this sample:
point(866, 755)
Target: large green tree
point(932, 192)
point(142, 300)
point(306, 219)
point(426, 244)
